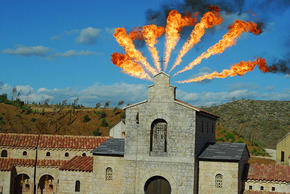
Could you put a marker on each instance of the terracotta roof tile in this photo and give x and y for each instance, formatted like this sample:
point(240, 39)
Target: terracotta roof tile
point(51, 141)
point(7, 163)
point(18, 140)
point(79, 163)
point(269, 172)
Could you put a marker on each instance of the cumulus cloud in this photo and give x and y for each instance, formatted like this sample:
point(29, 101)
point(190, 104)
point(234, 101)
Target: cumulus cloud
point(73, 53)
point(240, 85)
point(58, 37)
point(40, 51)
point(110, 31)
point(88, 35)
point(132, 93)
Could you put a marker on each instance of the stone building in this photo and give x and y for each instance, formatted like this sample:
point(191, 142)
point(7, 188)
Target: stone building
point(169, 147)
point(283, 150)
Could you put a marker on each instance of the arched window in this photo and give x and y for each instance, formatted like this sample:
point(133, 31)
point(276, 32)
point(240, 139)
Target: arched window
point(4, 153)
point(84, 154)
point(24, 153)
point(219, 181)
point(66, 154)
point(47, 153)
point(158, 136)
point(109, 173)
point(78, 186)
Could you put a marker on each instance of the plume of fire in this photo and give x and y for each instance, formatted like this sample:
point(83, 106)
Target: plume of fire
point(175, 22)
point(128, 66)
point(237, 69)
point(208, 20)
point(136, 33)
point(228, 40)
point(127, 43)
point(151, 33)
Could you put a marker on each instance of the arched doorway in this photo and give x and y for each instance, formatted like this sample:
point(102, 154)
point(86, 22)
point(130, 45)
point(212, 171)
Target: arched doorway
point(22, 184)
point(157, 185)
point(46, 185)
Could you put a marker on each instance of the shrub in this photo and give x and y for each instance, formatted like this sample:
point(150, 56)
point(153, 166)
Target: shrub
point(33, 119)
point(230, 136)
point(220, 139)
point(97, 132)
point(104, 123)
point(240, 141)
point(86, 118)
point(102, 114)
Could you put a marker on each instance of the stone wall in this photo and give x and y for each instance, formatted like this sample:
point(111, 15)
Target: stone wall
point(67, 182)
point(19, 152)
point(283, 146)
point(208, 171)
point(255, 185)
point(5, 177)
point(59, 154)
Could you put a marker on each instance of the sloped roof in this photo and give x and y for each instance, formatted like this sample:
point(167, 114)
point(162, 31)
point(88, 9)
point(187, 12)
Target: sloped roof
point(195, 108)
point(111, 147)
point(6, 164)
point(223, 152)
point(18, 140)
point(79, 163)
point(269, 172)
point(50, 141)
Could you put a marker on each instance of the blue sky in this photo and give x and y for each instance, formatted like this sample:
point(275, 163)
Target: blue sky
point(62, 49)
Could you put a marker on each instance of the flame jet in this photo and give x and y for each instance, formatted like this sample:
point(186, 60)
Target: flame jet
point(237, 69)
point(128, 66)
point(229, 39)
point(151, 33)
point(127, 43)
point(208, 20)
point(174, 24)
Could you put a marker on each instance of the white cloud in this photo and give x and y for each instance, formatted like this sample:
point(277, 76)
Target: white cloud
point(58, 37)
point(110, 31)
point(72, 53)
point(132, 93)
point(88, 35)
point(40, 51)
point(240, 85)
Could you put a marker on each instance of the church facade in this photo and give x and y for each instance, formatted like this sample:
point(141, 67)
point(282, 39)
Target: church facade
point(169, 147)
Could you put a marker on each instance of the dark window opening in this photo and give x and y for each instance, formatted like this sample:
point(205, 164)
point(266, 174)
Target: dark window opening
point(282, 156)
point(137, 118)
point(66, 154)
point(84, 154)
point(273, 188)
point(47, 153)
point(78, 186)
point(250, 187)
point(262, 188)
point(219, 181)
point(4, 153)
point(24, 153)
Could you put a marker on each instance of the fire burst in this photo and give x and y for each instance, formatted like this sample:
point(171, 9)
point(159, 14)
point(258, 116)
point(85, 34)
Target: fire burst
point(135, 64)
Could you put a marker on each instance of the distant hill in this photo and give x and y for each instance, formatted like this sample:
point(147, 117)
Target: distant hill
point(67, 121)
point(51, 119)
point(264, 122)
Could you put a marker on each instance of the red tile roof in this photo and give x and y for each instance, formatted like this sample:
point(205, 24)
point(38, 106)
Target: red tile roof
point(6, 164)
point(79, 163)
point(269, 172)
point(18, 140)
point(51, 141)
point(201, 110)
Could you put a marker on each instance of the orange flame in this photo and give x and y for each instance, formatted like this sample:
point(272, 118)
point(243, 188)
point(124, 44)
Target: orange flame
point(237, 69)
point(128, 66)
point(151, 33)
point(127, 43)
point(136, 33)
point(174, 24)
point(228, 40)
point(208, 20)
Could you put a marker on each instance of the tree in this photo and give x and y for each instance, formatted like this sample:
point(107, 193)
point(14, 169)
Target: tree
point(86, 118)
point(97, 132)
point(14, 91)
point(120, 103)
point(98, 105)
point(75, 102)
point(107, 104)
point(104, 123)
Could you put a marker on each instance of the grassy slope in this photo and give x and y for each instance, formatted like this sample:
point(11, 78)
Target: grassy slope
point(258, 121)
